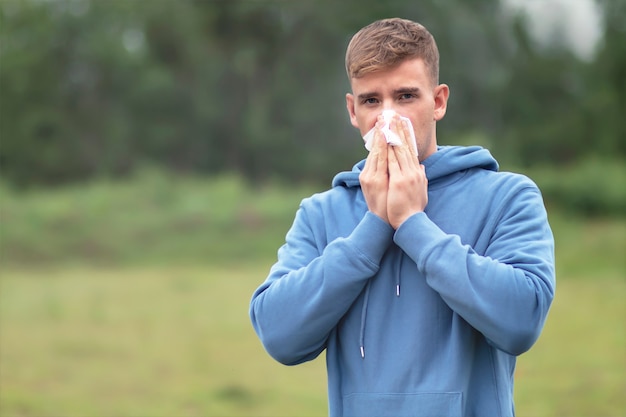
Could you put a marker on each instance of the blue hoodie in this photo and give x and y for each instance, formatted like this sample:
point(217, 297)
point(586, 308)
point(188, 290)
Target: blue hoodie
point(426, 320)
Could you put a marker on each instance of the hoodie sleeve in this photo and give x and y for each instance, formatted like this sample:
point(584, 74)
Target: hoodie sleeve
point(504, 293)
point(311, 286)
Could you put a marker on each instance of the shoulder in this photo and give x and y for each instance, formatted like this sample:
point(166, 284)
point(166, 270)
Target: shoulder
point(334, 197)
point(505, 182)
point(500, 192)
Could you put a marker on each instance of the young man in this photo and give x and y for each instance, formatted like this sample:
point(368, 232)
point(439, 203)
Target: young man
point(422, 273)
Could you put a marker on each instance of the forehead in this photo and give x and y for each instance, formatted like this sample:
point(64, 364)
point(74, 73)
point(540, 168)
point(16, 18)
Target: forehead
point(410, 73)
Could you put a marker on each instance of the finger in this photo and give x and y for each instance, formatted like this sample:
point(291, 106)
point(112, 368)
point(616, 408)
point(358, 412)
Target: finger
point(406, 129)
point(375, 155)
point(380, 138)
point(402, 152)
point(392, 160)
point(398, 126)
point(409, 158)
point(422, 169)
point(383, 151)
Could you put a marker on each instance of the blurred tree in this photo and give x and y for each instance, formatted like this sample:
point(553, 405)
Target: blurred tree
point(64, 80)
point(605, 103)
point(557, 109)
point(91, 88)
point(539, 104)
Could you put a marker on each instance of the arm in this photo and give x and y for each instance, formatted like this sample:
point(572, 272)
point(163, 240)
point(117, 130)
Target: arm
point(307, 293)
point(504, 294)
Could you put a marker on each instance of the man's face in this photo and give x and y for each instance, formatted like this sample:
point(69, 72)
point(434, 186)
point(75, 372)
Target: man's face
point(405, 88)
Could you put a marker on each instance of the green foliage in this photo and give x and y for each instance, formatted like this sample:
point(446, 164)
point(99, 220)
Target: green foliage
point(155, 218)
point(98, 88)
point(593, 187)
point(163, 218)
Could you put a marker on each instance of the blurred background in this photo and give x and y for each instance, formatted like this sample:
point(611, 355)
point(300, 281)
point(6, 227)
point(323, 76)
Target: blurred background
point(153, 154)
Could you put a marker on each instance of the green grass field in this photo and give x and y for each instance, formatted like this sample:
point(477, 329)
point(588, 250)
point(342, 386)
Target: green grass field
point(143, 342)
point(128, 301)
point(178, 342)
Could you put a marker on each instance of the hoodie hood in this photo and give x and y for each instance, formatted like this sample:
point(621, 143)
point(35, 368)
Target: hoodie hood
point(442, 167)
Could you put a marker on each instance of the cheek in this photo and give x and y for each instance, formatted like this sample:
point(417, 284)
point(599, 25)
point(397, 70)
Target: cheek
point(423, 131)
point(370, 122)
point(423, 122)
point(366, 121)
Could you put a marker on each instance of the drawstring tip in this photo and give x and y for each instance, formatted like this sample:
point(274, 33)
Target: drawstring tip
point(362, 352)
point(397, 290)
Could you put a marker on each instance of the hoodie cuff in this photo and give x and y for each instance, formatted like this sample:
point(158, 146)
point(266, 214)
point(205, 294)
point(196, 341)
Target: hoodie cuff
point(417, 236)
point(372, 237)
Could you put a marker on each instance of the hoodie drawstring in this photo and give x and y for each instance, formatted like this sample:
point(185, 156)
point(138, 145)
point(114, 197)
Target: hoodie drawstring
point(363, 316)
point(365, 303)
point(398, 285)
point(398, 271)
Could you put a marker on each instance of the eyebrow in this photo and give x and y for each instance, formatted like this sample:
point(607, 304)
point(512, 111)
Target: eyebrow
point(404, 90)
point(363, 96)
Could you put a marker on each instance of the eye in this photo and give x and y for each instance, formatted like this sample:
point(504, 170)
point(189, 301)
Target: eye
point(370, 100)
point(407, 96)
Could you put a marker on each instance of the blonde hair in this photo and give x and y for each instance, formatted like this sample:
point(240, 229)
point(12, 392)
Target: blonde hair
point(388, 42)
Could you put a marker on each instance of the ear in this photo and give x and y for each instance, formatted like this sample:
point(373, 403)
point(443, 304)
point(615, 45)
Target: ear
point(441, 93)
point(350, 107)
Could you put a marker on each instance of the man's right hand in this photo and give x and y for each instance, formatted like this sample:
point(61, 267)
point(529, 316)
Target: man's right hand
point(375, 176)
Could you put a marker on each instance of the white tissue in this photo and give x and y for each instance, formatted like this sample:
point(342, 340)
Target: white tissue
point(390, 136)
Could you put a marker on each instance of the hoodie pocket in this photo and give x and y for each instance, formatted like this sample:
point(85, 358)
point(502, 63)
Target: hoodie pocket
point(422, 404)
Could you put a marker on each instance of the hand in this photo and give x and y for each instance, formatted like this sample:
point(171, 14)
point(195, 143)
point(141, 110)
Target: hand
point(374, 178)
point(408, 185)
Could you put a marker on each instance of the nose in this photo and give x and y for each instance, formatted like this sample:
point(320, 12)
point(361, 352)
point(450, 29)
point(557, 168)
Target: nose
point(389, 112)
point(391, 106)
point(388, 105)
